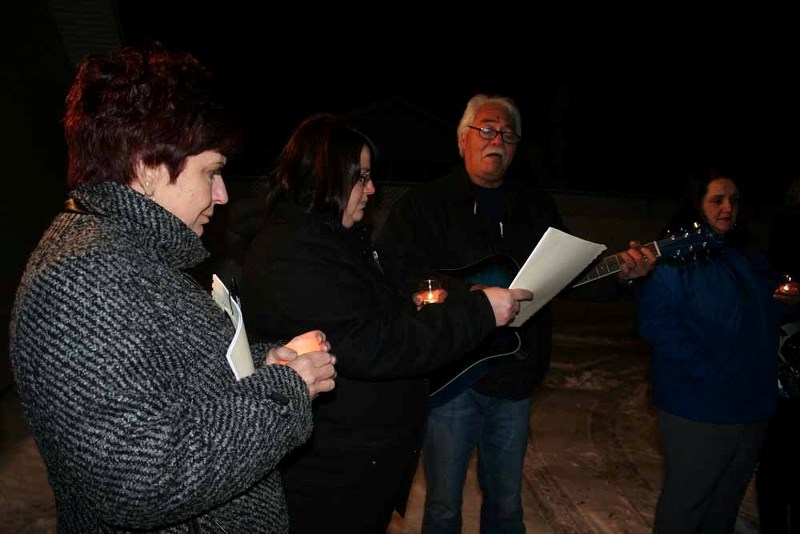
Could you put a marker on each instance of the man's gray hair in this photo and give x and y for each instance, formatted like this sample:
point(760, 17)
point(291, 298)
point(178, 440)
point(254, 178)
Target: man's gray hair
point(477, 102)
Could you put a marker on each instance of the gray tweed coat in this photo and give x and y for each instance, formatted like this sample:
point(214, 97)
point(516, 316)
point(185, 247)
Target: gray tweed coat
point(119, 359)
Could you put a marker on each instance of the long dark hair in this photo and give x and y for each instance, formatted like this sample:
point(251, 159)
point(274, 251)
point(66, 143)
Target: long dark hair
point(320, 164)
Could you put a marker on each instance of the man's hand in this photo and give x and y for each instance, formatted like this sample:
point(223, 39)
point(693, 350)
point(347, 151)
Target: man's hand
point(506, 302)
point(637, 261)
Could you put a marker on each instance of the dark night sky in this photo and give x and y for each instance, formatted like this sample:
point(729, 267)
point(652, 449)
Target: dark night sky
point(638, 104)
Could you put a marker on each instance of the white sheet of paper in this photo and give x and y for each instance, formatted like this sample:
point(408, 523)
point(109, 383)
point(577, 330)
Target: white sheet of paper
point(557, 259)
point(239, 356)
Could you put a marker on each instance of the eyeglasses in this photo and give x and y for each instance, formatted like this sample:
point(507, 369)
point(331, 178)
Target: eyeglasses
point(490, 133)
point(364, 178)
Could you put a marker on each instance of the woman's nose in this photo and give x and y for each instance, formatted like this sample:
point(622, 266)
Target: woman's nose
point(219, 193)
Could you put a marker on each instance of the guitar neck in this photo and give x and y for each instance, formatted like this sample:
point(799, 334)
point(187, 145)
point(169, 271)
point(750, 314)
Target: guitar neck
point(611, 265)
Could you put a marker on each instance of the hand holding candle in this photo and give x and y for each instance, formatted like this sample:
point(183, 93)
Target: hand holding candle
point(788, 291)
point(311, 341)
point(429, 292)
point(309, 356)
point(788, 286)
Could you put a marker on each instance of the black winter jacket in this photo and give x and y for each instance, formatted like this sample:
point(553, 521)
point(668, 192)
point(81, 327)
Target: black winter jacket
point(305, 271)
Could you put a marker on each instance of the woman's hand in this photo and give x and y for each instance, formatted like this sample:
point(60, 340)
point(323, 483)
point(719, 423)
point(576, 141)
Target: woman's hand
point(417, 298)
point(317, 369)
point(314, 340)
point(309, 355)
point(788, 293)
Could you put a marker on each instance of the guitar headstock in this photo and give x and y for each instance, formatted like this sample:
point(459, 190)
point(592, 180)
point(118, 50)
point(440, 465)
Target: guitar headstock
point(684, 245)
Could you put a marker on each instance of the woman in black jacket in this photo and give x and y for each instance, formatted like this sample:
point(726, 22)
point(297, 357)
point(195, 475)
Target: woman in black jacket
point(311, 263)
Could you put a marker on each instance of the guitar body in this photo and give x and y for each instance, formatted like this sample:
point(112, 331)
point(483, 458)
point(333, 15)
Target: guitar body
point(496, 270)
point(452, 379)
point(456, 377)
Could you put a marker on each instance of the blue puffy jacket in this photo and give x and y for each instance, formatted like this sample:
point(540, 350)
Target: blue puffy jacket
point(713, 326)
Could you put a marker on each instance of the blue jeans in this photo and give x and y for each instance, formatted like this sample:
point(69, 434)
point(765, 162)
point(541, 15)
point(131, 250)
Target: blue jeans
point(499, 429)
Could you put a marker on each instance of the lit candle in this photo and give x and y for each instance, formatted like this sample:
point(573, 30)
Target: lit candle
point(430, 291)
point(433, 296)
point(789, 286)
point(301, 345)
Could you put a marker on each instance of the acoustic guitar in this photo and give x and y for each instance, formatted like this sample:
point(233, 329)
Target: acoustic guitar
point(500, 270)
point(450, 380)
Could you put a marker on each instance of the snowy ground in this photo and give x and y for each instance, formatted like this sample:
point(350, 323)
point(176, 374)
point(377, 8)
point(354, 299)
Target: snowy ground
point(593, 463)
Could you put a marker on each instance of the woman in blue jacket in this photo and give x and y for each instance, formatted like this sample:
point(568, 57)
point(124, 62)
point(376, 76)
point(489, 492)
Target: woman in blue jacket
point(713, 325)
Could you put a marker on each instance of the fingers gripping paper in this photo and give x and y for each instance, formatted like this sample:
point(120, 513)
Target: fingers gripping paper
point(238, 355)
point(557, 259)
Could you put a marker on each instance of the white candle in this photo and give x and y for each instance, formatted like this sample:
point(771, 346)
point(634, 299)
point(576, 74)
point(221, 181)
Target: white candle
point(301, 345)
point(433, 296)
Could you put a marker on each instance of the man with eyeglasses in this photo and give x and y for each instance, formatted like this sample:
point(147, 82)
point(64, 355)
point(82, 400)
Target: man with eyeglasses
point(472, 228)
